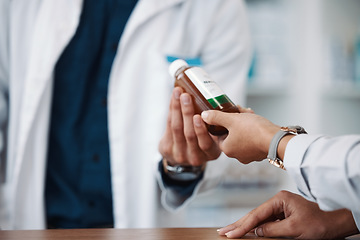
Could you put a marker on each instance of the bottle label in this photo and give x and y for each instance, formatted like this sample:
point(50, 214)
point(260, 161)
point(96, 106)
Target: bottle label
point(206, 86)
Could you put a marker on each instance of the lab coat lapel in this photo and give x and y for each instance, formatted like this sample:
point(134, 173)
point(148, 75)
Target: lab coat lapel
point(143, 12)
point(55, 24)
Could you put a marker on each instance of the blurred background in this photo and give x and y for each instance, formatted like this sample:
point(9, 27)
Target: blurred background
point(306, 71)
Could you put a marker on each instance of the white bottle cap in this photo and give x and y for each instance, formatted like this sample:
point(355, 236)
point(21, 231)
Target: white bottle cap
point(176, 65)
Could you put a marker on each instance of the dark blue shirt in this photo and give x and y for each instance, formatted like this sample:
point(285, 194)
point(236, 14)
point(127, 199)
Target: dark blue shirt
point(78, 179)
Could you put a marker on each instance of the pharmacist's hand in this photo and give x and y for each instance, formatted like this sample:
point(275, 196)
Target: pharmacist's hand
point(249, 134)
point(180, 143)
point(290, 215)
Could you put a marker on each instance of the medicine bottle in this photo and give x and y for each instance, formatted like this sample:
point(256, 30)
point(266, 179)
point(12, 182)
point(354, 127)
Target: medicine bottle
point(206, 94)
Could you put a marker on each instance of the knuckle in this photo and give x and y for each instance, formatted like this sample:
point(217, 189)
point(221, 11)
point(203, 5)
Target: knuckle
point(216, 116)
point(206, 147)
point(177, 129)
point(266, 231)
point(190, 136)
point(196, 161)
point(180, 159)
point(175, 105)
point(164, 148)
point(254, 216)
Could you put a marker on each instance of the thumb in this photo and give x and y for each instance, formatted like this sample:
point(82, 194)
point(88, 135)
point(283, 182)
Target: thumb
point(215, 117)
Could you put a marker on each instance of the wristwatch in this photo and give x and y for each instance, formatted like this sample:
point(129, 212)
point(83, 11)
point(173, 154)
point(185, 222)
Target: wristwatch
point(182, 172)
point(272, 154)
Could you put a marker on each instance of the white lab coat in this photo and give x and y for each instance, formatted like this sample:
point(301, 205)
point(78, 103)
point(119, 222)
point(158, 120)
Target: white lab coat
point(327, 170)
point(34, 33)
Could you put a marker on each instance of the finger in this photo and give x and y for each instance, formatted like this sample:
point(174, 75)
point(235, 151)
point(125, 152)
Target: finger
point(215, 117)
point(256, 217)
point(228, 228)
point(188, 112)
point(168, 130)
point(166, 142)
point(233, 226)
point(177, 130)
point(268, 229)
point(205, 141)
point(195, 155)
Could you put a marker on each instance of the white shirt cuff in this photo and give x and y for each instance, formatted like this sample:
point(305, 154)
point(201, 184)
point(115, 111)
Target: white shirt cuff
point(294, 155)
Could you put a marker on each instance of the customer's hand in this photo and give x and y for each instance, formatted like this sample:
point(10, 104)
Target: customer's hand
point(249, 134)
point(180, 143)
point(290, 215)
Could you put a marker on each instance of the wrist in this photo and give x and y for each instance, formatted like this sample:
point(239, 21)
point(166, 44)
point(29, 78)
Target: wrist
point(273, 156)
point(267, 138)
point(182, 172)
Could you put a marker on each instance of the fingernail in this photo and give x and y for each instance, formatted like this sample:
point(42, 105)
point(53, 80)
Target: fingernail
point(218, 230)
point(185, 99)
point(259, 232)
point(249, 109)
point(228, 234)
point(204, 114)
point(197, 122)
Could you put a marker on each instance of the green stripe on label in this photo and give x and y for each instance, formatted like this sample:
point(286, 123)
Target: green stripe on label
point(217, 101)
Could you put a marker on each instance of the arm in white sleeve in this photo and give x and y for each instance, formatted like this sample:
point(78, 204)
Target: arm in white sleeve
point(327, 170)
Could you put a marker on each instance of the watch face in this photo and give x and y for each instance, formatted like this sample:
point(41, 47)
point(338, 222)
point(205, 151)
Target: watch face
point(184, 176)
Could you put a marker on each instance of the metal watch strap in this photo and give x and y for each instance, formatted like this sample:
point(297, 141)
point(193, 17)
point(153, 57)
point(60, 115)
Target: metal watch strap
point(272, 154)
point(181, 172)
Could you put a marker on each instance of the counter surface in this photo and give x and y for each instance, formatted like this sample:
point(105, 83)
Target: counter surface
point(112, 234)
point(123, 234)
